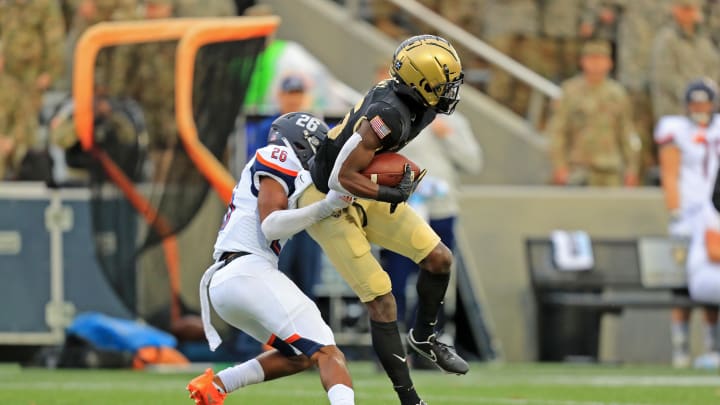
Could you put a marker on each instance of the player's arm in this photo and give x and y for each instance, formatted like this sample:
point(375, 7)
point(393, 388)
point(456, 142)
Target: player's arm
point(354, 157)
point(279, 222)
point(669, 158)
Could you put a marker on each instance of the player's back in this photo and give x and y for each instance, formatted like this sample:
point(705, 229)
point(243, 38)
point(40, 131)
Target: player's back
point(241, 230)
point(395, 119)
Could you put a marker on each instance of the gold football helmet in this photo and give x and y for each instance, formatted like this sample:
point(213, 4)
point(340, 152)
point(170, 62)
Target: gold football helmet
point(429, 65)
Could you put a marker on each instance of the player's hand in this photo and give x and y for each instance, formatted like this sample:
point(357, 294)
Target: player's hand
point(337, 201)
point(406, 186)
point(631, 180)
point(560, 177)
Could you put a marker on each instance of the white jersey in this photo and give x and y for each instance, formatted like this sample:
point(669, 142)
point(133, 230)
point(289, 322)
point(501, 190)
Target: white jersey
point(699, 148)
point(240, 230)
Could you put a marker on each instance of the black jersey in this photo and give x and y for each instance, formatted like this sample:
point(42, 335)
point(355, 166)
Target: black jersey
point(395, 119)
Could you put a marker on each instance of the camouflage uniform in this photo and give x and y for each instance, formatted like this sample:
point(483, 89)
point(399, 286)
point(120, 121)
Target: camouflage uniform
point(678, 58)
point(712, 22)
point(32, 32)
point(153, 86)
point(592, 15)
point(560, 43)
point(205, 8)
point(511, 27)
point(637, 26)
point(591, 133)
point(16, 113)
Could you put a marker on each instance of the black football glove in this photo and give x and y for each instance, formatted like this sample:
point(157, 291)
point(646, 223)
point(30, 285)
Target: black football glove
point(401, 192)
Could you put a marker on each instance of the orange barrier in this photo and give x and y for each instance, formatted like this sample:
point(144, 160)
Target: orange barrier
point(201, 31)
point(112, 34)
point(203, 34)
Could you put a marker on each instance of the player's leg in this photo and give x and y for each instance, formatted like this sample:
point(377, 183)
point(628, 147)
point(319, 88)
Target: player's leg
point(274, 310)
point(704, 286)
point(344, 242)
point(399, 268)
point(406, 233)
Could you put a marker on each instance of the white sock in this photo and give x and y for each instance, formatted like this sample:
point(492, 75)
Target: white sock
point(340, 394)
point(680, 337)
point(711, 336)
point(244, 374)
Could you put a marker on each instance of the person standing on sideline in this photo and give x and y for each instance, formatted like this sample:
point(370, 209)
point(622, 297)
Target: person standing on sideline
point(688, 146)
point(592, 139)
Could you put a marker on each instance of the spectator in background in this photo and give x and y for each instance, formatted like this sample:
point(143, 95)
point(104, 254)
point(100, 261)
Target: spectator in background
point(512, 27)
point(599, 20)
point(205, 8)
point(560, 42)
point(291, 96)
point(153, 86)
point(390, 19)
point(32, 33)
point(712, 22)
point(637, 26)
point(17, 124)
point(688, 169)
point(593, 141)
point(681, 52)
point(112, 64)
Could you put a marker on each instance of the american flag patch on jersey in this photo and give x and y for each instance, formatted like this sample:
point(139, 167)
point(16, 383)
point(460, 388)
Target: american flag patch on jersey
point(381, 130)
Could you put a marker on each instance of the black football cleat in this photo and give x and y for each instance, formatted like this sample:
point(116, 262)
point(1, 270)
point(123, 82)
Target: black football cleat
point(442, 355)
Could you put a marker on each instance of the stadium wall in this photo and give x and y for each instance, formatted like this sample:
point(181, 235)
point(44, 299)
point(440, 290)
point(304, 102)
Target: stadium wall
point(497, 220)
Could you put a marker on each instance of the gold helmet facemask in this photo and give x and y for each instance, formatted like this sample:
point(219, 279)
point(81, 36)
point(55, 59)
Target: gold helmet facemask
point(430, 66)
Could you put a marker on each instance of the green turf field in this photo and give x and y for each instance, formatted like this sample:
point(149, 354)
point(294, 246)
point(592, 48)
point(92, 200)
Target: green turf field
point(485, 384)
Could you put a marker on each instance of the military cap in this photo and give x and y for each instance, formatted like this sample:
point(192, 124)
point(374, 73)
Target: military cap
point(596, 47)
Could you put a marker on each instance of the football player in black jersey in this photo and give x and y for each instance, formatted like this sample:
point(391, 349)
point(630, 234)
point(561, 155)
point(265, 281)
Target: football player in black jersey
point(426, 78)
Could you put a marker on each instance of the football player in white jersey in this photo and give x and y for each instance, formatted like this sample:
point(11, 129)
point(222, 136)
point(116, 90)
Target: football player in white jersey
point(245, 286)
point(688, 149)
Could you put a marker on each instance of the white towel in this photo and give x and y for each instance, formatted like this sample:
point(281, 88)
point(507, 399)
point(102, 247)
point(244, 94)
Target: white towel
point(211, 334)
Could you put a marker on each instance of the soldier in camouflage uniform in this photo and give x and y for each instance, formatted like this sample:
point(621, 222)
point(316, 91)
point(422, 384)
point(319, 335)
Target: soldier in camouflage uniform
point(32, 32)
point(152, 84)
point(593, 141)
point(599, 19)
point(111, 66)
point(205, 8)
point(681, 52)
point(637, 27)
point(511, 27)
point(560, 42)
point(712, 22)
point(17, 126)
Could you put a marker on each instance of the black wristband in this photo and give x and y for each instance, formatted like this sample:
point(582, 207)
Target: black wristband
point(389, 194)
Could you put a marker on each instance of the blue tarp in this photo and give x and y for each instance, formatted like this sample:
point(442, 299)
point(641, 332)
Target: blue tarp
point(108, 333)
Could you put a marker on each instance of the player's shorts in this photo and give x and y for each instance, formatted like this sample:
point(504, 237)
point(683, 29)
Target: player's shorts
point(251, 294)
point(346, 239)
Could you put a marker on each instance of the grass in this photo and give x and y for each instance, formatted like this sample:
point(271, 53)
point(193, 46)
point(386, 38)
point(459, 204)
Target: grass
point(491, 384)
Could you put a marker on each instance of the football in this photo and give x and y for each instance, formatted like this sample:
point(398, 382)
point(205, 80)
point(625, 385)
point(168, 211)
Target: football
point(386, 169)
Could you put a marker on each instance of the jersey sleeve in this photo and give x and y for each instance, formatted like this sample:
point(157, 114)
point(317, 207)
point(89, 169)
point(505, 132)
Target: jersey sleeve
point(386, 122)
point(278, 162)
point(666, 129)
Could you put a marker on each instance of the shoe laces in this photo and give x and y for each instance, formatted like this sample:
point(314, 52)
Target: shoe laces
point(443, 347)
